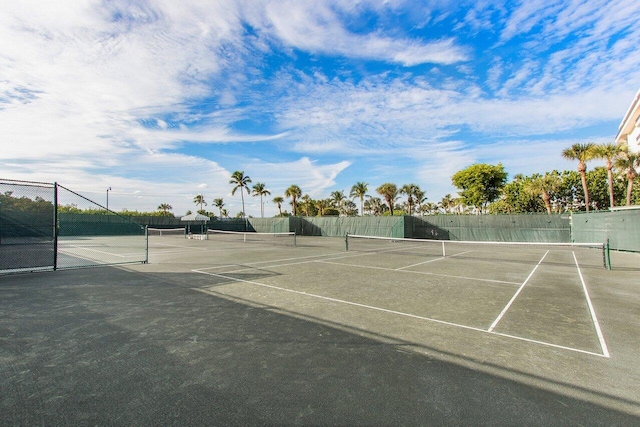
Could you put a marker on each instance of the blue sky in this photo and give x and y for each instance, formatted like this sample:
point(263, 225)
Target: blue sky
point(164, 100)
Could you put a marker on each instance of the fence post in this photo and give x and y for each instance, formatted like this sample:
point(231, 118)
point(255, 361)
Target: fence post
point(55, 226)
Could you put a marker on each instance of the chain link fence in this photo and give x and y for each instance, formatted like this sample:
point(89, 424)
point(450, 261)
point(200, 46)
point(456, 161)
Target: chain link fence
point(46, 226)
point(27, 226)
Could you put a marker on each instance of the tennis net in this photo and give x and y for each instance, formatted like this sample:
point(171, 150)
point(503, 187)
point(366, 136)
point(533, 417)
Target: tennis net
point(167, 232)
point(586, 254)
point(284, 238)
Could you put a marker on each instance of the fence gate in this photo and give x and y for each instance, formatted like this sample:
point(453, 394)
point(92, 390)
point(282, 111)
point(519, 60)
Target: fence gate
point(45, 226)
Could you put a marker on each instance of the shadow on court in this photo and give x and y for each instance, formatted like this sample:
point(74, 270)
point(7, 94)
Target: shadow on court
point(111, 346)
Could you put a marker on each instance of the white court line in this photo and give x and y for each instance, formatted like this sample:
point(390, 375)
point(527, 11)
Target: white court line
point(504, 310)
point(426, 273)
point(88, 249)
point(321, 261)
point(385, 310)
point(173, 246)
point(279, 260)
point(603, 344)
point(432, 260)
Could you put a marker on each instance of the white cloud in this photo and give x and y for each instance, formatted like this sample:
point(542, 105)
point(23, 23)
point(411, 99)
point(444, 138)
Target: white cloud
point(315, 28)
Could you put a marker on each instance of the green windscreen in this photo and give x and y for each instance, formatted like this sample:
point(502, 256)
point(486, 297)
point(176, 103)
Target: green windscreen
point(620, 227)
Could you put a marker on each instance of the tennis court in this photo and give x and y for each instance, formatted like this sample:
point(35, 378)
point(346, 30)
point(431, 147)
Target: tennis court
point(241, 330)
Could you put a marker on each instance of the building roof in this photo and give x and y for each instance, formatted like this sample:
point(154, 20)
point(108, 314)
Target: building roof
point(195, 217)
point(629, 121)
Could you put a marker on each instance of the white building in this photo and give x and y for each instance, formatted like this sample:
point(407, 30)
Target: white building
point(629, 129)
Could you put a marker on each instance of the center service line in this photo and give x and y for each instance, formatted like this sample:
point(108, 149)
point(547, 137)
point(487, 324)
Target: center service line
point(504, 310)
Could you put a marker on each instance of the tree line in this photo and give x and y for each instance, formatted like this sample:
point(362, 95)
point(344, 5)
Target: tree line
point(482, 188)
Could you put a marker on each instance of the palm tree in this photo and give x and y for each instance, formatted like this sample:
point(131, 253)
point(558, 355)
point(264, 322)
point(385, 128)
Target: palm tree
point(199, 200)
point(322, 206)
point(306, 205)
point(390, 193)
point(608, 152)
point(219, 203)
point(278, 201)
point(420, 198)
point(374, 206)
point(348, 208)
point(242, 182)
point(224, 213)
point(259, 189)
point(429, 208)
point(165, 208)
point(359, 190)
point(544, 186)
point(294, 192)
point(628, 162)
point(410, 190)
point(336, 198)
point(447, 203)
point(582, 153)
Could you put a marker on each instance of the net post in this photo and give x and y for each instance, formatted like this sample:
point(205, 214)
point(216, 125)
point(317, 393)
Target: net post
point(146, 238)
point(607, 255)
point(346, 242)
point(444, 251)
point(295, 243)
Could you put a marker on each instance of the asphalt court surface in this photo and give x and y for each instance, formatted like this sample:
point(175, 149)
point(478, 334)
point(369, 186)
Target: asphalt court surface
point(551, 308)
point(314, 334)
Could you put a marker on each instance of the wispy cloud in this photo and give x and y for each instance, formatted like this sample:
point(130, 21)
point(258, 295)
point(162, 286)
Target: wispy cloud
point(316, 28)
point(163, 99)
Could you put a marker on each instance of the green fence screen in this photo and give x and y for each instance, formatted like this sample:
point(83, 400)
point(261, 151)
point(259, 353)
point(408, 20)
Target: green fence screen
point(385, 226)
point(497, 228)
point(620, 227)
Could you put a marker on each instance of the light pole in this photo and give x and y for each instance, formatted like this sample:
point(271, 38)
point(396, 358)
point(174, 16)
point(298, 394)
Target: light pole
point(108, 199)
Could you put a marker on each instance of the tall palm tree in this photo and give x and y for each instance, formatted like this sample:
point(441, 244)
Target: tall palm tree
point(582, 153)
point(165, 208)
point(241, 182)
point(359, 190)
point(544, 186)
point(608, 152)
point(219, 203)
point(390, 193)
point(628, 162)
point(260, 189)
point(199, 200)
point(420, 198)
point(410, 191)
point(294, 192)
point(278, 201)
